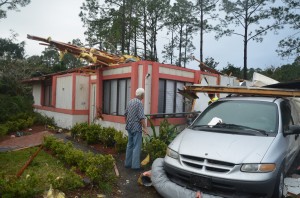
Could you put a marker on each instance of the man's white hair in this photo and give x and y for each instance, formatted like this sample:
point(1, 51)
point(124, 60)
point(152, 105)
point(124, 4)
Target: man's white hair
point(139, 92)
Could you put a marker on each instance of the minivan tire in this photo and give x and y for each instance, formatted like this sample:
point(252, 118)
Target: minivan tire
point(279, 185)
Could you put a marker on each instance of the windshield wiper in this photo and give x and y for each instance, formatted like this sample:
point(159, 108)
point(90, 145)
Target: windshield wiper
point(200, 125)
point(263, 132)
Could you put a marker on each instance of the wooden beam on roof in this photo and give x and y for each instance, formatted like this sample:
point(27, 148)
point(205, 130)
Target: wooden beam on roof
point(204, 67)
point(275, 92)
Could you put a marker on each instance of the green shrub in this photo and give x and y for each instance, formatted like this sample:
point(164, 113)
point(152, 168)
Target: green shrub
point(156, 148)
point(107, 136)
point(14, 105)
point(30, 121)
point(18, 116)
point(21, 123)
point(92, 133)
point(167, 132)
point(121, 141)
point(85, 162)
point(11, 126)
point(40, 119)
point(99, 168)
point(74, 156)
point(156, 145)
point(3, 130)
point(65, 182)
point(22, 187)
point(79, 130)
point(48, 141)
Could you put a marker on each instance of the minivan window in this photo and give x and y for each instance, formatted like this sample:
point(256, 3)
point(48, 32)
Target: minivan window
point(286, 115)
point(254, 114)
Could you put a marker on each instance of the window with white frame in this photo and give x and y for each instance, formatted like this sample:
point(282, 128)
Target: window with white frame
point(47, 93)
point(116, 95)
point(169, 101)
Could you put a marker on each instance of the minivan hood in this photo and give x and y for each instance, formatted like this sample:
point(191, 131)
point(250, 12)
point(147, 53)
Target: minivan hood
point(231, 148)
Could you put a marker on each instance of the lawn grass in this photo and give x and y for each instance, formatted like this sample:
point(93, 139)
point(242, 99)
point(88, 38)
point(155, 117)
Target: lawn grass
point(37, 177)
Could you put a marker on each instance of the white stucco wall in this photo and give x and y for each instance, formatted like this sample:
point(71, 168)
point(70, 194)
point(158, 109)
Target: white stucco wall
point(65, 121)
point(176, 72)
point(36, 92)
point(64, 92)
point(148, 87)
point(82, 93)
point(120, 70)
point(118, 126)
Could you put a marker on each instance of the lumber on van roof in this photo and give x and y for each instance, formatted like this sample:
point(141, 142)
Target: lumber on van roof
point(190, 91)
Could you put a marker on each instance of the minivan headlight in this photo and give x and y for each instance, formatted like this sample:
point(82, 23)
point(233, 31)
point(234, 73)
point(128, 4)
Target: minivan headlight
point(172, 153)
point(258, 168)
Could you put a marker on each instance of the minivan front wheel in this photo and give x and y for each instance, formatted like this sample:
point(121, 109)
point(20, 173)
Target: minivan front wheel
point(279, 186)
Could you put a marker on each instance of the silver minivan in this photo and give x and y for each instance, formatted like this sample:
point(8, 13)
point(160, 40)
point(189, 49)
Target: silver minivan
point(237, 147)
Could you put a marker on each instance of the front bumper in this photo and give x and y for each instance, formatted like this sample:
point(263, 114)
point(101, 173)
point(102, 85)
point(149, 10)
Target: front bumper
point(222, 187)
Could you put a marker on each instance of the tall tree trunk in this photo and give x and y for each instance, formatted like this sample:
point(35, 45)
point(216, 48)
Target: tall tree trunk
point(186, 42)
point(201, 30)
point(180, 44)
point(130, 27)
point(135, 40)
point(123, 29)
point(245, 41)
point(172, 45)
point(154, 36)
point(145, 33)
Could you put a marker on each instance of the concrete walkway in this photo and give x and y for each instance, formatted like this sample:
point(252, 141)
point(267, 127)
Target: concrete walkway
point(23, 141)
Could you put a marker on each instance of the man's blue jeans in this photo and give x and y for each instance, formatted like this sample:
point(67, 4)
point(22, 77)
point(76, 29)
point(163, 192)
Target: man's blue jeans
point(133, 150)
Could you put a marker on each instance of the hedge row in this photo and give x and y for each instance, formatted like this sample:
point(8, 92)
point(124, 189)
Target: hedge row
point(22, 121)
point(99, 168)
point(94, 133)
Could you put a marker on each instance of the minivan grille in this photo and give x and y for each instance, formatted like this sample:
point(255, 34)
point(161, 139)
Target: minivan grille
point(206, 164)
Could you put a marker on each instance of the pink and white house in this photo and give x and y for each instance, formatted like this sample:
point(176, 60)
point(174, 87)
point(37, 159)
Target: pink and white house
point(101, 96)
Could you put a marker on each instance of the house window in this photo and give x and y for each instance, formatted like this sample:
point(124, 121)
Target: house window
point(169, 101)
point(47, 93)
point(116, 95)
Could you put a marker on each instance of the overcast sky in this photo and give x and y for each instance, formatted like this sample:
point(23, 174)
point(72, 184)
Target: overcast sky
point(59, 19)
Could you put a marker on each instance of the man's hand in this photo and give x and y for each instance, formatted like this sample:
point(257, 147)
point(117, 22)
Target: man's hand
point(198, 194)
point(145, 131)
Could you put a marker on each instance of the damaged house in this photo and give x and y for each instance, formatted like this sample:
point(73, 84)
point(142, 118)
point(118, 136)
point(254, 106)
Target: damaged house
point(99, 93)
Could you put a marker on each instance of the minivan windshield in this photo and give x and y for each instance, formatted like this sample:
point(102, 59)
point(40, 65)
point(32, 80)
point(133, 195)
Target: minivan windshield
point(240, 115)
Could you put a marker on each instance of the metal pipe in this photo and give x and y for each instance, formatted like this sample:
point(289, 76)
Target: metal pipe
point(166, 114)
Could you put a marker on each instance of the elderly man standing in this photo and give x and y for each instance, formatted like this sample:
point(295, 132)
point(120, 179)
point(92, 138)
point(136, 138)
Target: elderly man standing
point(135, 124)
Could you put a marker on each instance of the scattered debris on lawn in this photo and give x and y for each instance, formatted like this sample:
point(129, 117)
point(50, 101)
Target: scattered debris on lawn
point(53, 193)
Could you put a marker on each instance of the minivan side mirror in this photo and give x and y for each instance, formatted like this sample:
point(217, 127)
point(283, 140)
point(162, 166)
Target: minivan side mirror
point(293, 129)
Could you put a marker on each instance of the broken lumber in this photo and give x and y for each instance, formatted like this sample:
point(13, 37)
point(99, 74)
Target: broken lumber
point(275, 92)
point(28, 162)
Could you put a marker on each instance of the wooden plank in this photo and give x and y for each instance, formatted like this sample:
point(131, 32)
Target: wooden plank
point(275, 92)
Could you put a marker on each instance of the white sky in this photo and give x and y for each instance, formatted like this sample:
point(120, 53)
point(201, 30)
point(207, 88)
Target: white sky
point(59, 19)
